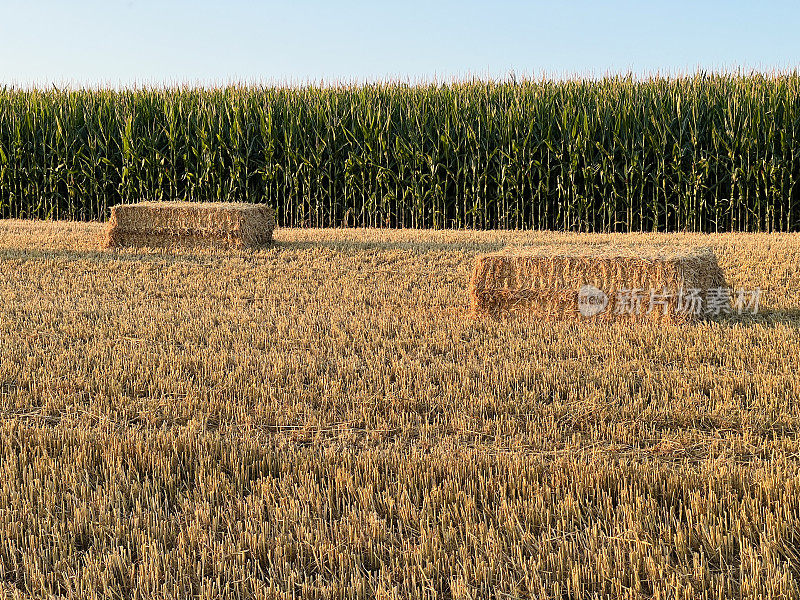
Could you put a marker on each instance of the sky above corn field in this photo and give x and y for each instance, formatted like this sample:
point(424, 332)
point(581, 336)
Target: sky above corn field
point(156, 42)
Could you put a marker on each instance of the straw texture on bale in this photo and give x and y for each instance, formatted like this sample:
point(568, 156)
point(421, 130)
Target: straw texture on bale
point(189, 224)
point(546, 283)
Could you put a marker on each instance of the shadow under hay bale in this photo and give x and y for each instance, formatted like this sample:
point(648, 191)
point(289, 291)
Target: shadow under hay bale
point(598, 283)
point(230, 225)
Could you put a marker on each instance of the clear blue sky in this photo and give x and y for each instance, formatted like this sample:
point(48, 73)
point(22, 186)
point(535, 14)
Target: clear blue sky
point(125, 42)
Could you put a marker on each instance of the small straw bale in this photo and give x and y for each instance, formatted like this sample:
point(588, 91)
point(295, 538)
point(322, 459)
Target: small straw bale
point(190, 225)
point(597, 282)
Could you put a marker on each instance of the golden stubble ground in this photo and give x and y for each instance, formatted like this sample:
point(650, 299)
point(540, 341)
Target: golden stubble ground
point(323, 418)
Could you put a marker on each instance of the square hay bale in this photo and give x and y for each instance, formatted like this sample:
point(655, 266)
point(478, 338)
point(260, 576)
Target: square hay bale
point(189, 224)
point(598, 283)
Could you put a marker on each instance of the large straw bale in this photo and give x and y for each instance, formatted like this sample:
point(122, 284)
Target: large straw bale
point(189, 224)
point(546, 282)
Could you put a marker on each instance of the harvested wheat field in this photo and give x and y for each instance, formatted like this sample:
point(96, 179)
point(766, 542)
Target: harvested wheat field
point(323, 419)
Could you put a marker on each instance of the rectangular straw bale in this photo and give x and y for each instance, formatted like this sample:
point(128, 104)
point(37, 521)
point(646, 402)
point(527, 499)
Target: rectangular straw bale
point(189, 224)
point(545, 282)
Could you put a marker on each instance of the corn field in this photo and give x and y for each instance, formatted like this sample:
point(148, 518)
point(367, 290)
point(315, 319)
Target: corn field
point(704, 153)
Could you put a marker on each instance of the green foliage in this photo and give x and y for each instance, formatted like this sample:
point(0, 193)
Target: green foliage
point(702, 153)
